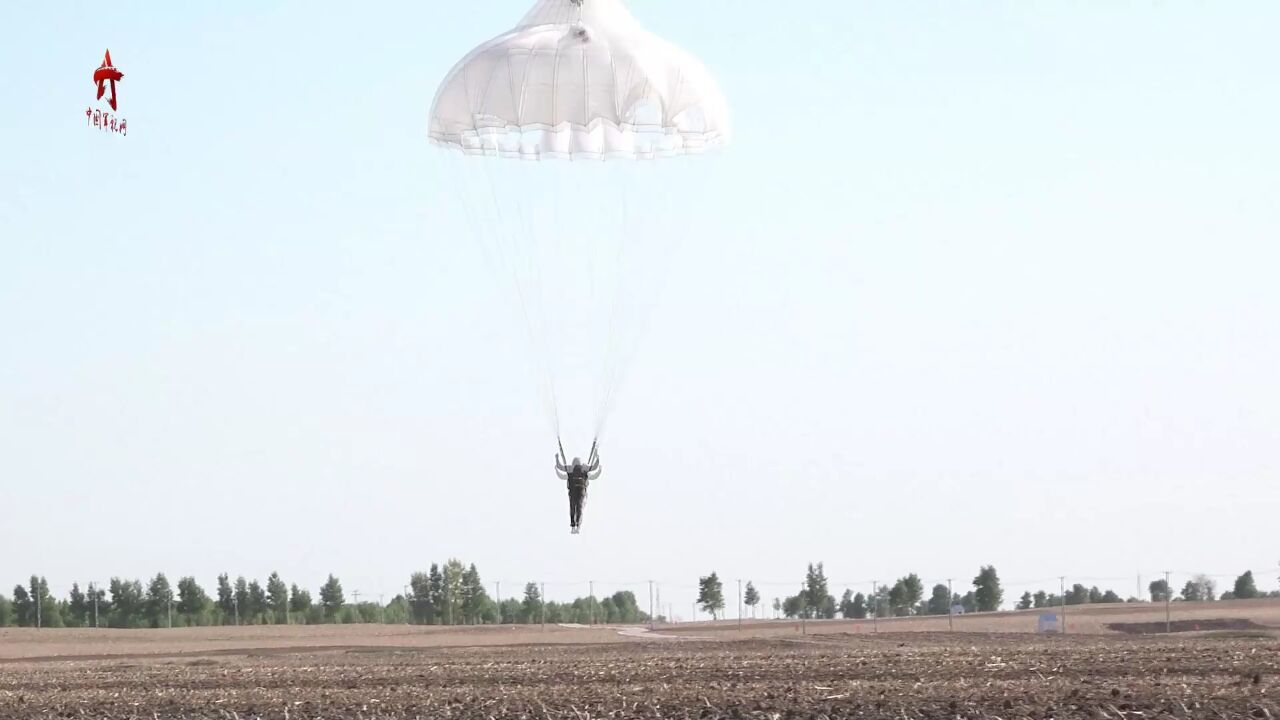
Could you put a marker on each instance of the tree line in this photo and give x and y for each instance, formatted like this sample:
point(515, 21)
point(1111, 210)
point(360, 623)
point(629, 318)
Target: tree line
point(452, 593)
point(449, 593)
point(905, 597)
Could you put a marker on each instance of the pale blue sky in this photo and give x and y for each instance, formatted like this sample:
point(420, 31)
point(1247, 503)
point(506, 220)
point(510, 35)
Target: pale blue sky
point(990, 283)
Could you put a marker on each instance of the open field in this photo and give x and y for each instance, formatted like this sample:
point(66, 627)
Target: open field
point(18, 644)
point(1080, 619)
point(899, 675)
point(27, 644)
point(42, 645)
point(768, 671)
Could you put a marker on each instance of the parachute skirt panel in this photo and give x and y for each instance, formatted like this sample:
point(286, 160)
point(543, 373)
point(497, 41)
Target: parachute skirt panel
point(579, 80)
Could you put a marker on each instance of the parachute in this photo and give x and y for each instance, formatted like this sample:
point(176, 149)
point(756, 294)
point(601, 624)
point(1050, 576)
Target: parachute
point(547, 132)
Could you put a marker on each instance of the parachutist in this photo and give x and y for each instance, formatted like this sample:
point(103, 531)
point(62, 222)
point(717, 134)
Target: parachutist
point(578, 476)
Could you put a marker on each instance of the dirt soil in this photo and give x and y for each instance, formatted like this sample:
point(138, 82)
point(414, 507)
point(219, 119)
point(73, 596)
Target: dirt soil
point(1182, 626)
point(912, 675)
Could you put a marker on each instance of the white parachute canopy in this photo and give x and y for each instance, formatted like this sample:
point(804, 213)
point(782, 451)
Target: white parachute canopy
point(579, 79)
point(584, 242)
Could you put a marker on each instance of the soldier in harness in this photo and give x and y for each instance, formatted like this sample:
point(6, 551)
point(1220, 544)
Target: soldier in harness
point(578, 476)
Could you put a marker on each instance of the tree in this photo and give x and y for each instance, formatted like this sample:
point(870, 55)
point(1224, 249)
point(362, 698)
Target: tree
point(127, 602)
point(1245, 588)
point(452, 576)
point(6, 611)
point(159, 596)
point(474, 598)
point(846, 604)
point(898, 599)
point(1077, 595)
point(988, 594)
point(24, 609)
point(257, 602)
point(1110, 596)
point(860, 606)
point(628, 607)
point(1026, 601)
point(42, 610)
point(79, 607)
point(1095, 595)
point(299, 601)
point(815, 589)
point(914, 589)
point(436, 596)
point(1159, 590)
point(939, 600)
point(331, 598)
point(609, 611)
point(243, 608)
point(192, 600)
point(420, 598)
point(711, 595)
point(1039, 600)
point(226, 599)
point(103, 608)
point(751, 597)
point(1200, 589)
point(793, 606)
point(777, 607)
point(1191, 592)
point(278, 598)
point(531, 607)
point(879, 602)
point(827, 608)
point(510, 611)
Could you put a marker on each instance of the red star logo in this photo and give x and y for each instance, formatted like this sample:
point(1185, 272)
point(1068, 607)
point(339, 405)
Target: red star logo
point(104, 74)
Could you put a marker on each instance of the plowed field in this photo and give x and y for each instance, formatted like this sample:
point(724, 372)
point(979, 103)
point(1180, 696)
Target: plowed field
point(888, 676)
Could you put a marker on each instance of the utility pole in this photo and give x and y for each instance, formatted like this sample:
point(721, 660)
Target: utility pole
point(875, 608)
point(235, 605)
point(543, 607)
point(591, 602)
point(658, 590)
point(651, 620)
point(382, 614)
point(170, 611)
point(409, 607)
point(497, 591)
point(804, 612)
point(1062, 592)
point(1168, 591)
point(951, 626)
point(739, 605)
point(93, 589)
point(39, 603)
point(693, 611)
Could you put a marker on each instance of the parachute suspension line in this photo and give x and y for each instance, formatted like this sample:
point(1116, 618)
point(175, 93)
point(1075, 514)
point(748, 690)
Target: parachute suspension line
point(656, 206)
point(609, 380)
point(504, 236)
point(529, 238)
